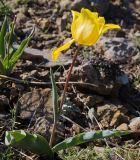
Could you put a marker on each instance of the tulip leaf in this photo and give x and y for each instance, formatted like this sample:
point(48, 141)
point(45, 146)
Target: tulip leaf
point(19, 51)
point(2, 38)
point(87, 137)
point(31, 142)
point(54, 96)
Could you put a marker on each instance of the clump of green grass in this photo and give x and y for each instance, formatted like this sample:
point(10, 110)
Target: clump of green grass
point(100, 153)
point(4, 9)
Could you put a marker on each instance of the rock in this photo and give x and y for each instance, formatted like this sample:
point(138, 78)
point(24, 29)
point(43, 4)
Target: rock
point(44, 56)
point(103, 77)
point(33, 101)
point(62, 22)
point(31, 54)
point(110, 115)
point(95, 5)
point(135, 124)
point(43, 23)
point(21, 18)
point(99, 150)
point(36, 107)
point(43, 126)
point(42, 2)
point(117, 49)
point(75, 129)
point(100, 5)
point(122, 79)
point(75, 5)
point(118, 117)
point(4, 103)
point(137, 3)
point(122, 127)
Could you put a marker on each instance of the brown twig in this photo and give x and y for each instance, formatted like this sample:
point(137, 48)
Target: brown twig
point(44, 83)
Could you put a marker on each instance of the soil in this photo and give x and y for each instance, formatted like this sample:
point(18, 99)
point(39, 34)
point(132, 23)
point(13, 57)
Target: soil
point(108, 79)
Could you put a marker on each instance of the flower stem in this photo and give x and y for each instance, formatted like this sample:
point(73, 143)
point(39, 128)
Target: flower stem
point(68, 77)
point(52, 139)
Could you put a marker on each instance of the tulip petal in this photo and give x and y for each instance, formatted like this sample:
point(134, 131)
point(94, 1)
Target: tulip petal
point(101, 22)
point(56, 52)
point(75, 15)
point(110, 26)
point(85, 29)
point(94, 15)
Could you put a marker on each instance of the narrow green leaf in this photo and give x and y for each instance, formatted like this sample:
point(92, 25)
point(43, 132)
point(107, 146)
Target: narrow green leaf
point(2, 38)
point(2, 69)
point(10, 37)
point(87, 137)
point(54, 96)
point(20, 50)
point(31, 142)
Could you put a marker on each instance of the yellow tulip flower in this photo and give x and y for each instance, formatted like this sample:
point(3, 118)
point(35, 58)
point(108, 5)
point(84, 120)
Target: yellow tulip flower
point(86, 29)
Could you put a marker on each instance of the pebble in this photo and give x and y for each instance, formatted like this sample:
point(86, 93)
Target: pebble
point(135, 124)
point(123, 126)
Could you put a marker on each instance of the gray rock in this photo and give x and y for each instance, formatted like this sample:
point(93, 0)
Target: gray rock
point(44, 56)
point(38, 101)
point(103, 81)
point(4, 102)
point(119, 50)
point(36, 107)
point(100, 6)
point(75, 5)
point(135, 124)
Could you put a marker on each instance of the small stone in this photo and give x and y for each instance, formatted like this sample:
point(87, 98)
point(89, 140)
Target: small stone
point(110, 115)
point(75, 5)
point(3, 103)
point(33, 73)
point(21, 18)
point(24, 76)
point(135, 124)
point(118, 117)
point(43, 23)
point(43, 73)
point(123, 126)
point(62, 22)
point(75, 129)
point(122, 79)
point(90, 101)
point(42, 2)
